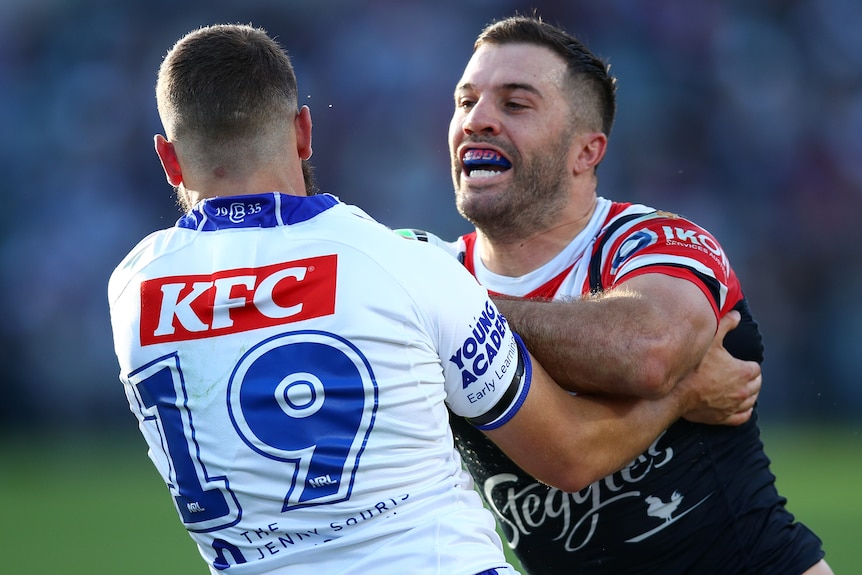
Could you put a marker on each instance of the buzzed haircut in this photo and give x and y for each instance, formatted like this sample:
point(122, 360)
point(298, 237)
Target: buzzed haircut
point(593, 89)
point(225, 86)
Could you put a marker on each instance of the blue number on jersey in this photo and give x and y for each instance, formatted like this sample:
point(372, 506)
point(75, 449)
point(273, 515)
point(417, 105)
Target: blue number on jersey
point(201, 500)
point(307, 399)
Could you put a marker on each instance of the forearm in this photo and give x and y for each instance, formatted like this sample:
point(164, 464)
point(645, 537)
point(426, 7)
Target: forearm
point(569, 441)
point(595, 346)
point(592, 437)
point(596, 436)
point(627, 428)
point(615, 431)
point(638, 339)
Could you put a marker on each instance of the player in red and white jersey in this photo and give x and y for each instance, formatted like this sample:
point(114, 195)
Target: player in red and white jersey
point(709, 486)
point(701, 499)
point(292, 363)
point(621, 240)
point(629, 300)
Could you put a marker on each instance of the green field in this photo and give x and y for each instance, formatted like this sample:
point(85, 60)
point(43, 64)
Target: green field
point(96, 506)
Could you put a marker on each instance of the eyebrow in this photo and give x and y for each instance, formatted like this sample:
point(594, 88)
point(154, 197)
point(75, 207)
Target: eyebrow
point(507, 87)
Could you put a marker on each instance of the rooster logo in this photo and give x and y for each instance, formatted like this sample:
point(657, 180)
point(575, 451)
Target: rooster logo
point(662, 510)
point(665, 510)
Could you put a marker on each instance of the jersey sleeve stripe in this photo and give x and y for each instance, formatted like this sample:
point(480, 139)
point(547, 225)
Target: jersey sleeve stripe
point(513, 398)
point(717, 290)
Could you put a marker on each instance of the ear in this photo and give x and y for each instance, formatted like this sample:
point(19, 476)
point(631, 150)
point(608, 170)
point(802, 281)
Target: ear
point(168, 156)
point(302, 126)
point(590, 148)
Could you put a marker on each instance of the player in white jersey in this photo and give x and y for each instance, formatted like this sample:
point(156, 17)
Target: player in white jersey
point(326, 432)
point(290, 361)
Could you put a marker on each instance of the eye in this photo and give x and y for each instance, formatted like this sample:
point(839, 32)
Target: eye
point(515, 106)
point(465, 103)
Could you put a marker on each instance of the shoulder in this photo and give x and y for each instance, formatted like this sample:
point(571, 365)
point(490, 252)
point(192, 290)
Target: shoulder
point(625, 220)
point(138, 258)
point(638, 240)
point(419, 261)
point(454, 248)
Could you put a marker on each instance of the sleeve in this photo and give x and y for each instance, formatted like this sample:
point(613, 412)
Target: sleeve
point(486, 369)
point(451, 248)
point(668, 244)
point(488, 373)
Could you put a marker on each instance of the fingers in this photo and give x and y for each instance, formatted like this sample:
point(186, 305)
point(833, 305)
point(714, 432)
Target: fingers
point(725, 388)
point(751, 394)
point(738, 418)
point(745, 409)
point(734, 404)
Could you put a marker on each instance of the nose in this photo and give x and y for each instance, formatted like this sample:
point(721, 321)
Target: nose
point(481, 118)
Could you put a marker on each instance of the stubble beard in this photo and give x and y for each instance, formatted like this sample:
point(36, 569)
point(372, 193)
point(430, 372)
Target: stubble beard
point(523, 208)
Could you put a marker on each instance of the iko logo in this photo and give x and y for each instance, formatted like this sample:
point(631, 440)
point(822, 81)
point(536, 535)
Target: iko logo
point(179, 308)
point(692, 237)
point(698, 239)
point(322, 481)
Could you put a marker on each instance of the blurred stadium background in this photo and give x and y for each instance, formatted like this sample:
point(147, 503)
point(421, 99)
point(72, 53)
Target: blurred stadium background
point(744, 116)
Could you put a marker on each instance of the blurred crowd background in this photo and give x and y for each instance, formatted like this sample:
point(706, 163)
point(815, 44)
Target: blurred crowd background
point(745, 116)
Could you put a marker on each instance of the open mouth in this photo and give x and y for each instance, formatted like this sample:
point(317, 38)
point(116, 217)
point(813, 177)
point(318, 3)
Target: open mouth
point(484, 163)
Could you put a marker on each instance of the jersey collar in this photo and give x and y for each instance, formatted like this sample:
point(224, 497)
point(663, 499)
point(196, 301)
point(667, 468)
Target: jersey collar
point(254, 211)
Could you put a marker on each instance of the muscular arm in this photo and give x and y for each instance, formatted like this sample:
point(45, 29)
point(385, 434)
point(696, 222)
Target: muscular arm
point(638, 339)
point(569, 441)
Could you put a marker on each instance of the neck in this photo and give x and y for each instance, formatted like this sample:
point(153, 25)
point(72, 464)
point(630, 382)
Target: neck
point(256, 183)
point(520, 256)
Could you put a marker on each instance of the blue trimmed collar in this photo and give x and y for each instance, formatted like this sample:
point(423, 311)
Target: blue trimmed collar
point(254, 211)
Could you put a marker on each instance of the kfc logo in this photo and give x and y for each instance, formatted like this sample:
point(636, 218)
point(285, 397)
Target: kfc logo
point(181, 308)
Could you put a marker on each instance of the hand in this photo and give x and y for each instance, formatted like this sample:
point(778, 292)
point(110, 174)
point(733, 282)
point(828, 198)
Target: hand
point(722, 390)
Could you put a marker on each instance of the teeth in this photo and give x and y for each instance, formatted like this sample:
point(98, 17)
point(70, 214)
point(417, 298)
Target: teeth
point(483, 173)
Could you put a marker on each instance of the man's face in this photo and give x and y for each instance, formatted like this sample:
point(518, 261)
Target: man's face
point(510, 140)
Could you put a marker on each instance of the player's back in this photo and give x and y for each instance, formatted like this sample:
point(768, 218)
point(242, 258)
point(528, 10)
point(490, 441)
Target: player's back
point(286, 375)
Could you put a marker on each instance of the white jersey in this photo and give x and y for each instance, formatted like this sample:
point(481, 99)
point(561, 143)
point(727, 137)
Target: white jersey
point(290, 361)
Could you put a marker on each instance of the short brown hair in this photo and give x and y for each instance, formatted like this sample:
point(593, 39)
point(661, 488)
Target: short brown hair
point(225, 86)
point(593, 88)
